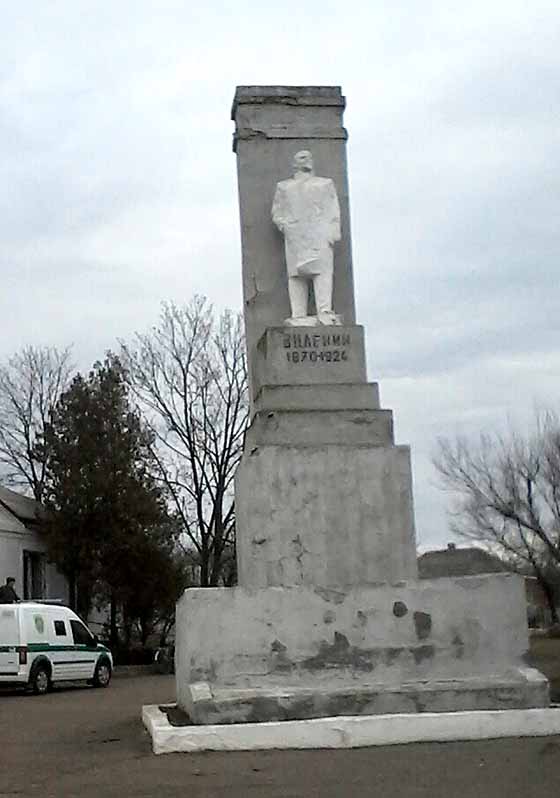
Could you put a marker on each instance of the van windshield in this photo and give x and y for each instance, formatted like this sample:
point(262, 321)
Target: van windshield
point(82, 636)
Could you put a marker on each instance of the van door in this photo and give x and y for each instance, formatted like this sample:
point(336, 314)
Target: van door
point(85, 650)
point(35, 630)
point(9, 641)
point(61, 648)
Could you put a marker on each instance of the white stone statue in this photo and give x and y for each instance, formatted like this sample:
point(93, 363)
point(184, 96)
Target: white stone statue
point(306, 211)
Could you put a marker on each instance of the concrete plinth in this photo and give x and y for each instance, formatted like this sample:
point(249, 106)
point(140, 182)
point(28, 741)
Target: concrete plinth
point(310, 355)
point(444, 645)
point(344, 396)
point(320, 427)
point(521, 688)
point(330, 516)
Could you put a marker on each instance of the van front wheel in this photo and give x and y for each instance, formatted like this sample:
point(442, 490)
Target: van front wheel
point(40, 681)
point(102, 675)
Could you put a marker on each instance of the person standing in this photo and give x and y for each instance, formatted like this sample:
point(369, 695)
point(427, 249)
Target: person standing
point(8, 593)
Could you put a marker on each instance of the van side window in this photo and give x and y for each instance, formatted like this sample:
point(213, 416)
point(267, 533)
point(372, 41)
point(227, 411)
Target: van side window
point(81, 635)
point(60, 628)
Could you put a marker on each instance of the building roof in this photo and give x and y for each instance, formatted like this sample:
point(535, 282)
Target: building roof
point(454, 561)
point(9, 523)
point(24, 508)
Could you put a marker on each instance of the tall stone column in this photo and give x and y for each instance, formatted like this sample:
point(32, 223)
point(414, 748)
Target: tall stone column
point(272, 123)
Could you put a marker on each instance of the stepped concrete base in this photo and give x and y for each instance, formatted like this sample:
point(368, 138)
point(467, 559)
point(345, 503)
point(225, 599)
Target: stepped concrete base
point(348, 732)
point(522, 688)
point(320, 428)
point(344, 396)
point(275, 653)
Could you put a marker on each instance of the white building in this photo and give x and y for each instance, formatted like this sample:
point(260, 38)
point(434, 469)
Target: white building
point(23, 551)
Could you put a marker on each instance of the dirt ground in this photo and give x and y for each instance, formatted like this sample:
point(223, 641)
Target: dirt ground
point(83, 742)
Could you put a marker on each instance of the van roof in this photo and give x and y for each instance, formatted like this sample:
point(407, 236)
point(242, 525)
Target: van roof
point(38, 605)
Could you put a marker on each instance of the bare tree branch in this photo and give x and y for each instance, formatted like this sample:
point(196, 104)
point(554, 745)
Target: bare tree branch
point(189, 376)
point(30, 384)
point(506, 494)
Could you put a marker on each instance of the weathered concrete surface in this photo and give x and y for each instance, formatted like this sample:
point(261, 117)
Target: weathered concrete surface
point(521, 688)
point(326, 516)
point(387, 635)
point(345, 396)
point(309, 355)
point(272, 123)
point(320, 428)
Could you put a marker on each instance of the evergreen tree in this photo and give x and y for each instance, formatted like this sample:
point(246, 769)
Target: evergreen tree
point(102, 504)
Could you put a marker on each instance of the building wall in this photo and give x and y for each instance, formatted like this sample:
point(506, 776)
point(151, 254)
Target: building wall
point(12, 548)
point(11, 558)
point(57, 586)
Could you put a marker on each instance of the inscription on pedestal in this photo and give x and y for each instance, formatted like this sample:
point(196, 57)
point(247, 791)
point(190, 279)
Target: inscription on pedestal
point(317, 347)
point(303, 356)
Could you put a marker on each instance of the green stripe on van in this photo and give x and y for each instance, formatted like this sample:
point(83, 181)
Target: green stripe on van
point(49, 647)
point(77, 647)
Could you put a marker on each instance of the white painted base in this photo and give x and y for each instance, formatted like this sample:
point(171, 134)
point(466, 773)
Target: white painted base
point(350, 732)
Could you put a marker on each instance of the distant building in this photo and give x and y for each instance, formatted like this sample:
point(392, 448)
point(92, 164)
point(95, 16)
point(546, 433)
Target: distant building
point(23, 550)
point(455, 561)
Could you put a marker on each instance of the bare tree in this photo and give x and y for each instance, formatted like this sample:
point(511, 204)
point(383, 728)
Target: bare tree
point(31, 382)
point(507, 496)
point(189, 375)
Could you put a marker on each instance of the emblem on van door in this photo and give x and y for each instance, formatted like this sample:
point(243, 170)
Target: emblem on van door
point(39, 624)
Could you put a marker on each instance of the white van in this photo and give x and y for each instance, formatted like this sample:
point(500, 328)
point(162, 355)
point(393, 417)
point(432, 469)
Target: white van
point(42, 643)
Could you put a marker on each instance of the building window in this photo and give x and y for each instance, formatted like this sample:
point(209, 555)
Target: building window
point(33, 575)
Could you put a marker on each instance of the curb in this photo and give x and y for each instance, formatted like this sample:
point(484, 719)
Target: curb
point(349, 732)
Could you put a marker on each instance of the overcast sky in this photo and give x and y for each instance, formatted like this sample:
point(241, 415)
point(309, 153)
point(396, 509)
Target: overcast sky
point(118, 185)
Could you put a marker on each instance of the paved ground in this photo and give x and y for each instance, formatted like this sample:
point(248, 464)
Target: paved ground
point(82, 743)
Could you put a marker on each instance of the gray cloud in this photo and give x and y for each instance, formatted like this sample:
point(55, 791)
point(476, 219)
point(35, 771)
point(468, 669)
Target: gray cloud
point(118, 185)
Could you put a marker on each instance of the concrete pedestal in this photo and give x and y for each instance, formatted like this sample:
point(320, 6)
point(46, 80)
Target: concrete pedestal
point(330, 618)
point(328, 515)
point(310, 355)
point(301, 652)
point(323, 497)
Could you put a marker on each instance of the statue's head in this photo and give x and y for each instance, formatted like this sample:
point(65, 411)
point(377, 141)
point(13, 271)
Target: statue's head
point(303, 161)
